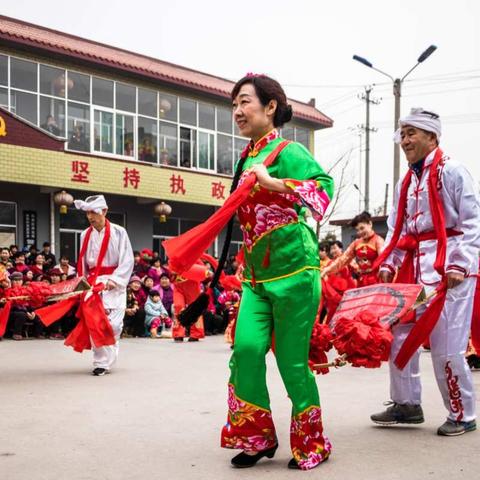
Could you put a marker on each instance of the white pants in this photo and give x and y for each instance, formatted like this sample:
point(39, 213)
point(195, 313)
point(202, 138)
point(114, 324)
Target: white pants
point(105, 357)
point(448, 343)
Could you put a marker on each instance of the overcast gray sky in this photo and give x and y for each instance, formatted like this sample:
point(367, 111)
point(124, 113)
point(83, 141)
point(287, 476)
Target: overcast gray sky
point(308, 47)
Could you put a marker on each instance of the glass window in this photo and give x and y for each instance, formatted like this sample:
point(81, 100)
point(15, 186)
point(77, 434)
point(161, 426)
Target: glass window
point(288, 132)
point(52, 81)
point(52, 115)
point(224, 120)
point(168, 144)
point(224, 154)
point(188, 111)
point(103, 131)
point(24, 105)
point(239, 145)
point(124, 130)
point(302, 135)
point(147, 140)
point(206, 116)
point(125, 97)
point(167, 107)
point(147, 102)
point(7, 215)
point(187, 147)
point(79, 87)
point(3, 70)
point(23, 74)
point(78, 127)
point(4, 97)
point(206, 150)
point(186, 225)
point(102, 92)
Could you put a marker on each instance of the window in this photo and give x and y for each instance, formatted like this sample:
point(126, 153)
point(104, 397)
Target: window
point(52, 115)
point(147, 140)
point(52, 81)
point(187, 147)
point(167, 107)
point(102, 92)
point(239, 145)
point(188, 111)
point(78, 127)
point(206, 150)
point(125, 97)
point(3, 70)
point(186, 225)
point(224, 120)
point(206, 116)
point(103, 131)
point(79, 87)
point(8, 223)
point(288, 133)
point(4, 97)
point(302, 135)
point(24, 105)
point(168, 144)
point(124, 130)
point(23, 74)
point(224, 154)
point(147, 102)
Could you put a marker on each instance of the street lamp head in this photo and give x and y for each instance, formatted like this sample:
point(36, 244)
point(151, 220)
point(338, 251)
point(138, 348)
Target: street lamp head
point(426, 53)
point(363, 60)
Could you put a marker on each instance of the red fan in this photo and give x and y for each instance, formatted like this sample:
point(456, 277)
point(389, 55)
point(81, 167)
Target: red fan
point(362, 322)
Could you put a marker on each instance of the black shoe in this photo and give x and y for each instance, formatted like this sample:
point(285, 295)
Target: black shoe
point(178, 339)
point(294, 465)
point(242, 460)
point(193, 339)
point(99, 372)
point(398, 413)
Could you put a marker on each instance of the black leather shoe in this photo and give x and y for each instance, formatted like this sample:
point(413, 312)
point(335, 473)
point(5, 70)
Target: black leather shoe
point(294, 465)
point(242, 460)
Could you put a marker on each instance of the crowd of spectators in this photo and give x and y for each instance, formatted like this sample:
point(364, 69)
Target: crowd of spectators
point(150, 294)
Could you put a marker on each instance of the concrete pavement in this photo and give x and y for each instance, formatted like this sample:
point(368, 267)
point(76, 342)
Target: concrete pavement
point(159, 414)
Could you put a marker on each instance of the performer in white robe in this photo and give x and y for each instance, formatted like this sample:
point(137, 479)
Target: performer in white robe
point(419, 135)
point(115, 273)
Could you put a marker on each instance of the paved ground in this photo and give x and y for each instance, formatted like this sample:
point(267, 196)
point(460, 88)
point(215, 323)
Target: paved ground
point(158, 416)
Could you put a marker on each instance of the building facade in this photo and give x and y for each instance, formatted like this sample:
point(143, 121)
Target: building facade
point(89, 118)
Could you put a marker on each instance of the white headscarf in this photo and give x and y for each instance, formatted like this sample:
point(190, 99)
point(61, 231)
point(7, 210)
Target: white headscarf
point(95, 203)
point(420, 118)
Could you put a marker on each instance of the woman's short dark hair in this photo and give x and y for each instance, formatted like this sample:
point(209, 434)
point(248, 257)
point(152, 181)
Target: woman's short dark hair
point(267, 89)
point(363, 217)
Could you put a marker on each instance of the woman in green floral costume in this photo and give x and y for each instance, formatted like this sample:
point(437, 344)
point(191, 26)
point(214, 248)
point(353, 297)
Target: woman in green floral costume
point(281, 292)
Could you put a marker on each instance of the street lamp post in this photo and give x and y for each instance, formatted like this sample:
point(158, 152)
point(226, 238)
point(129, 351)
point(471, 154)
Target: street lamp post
point(397, 92)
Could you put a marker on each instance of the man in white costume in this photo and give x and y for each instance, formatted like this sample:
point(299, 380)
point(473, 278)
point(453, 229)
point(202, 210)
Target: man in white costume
point(419, 134)
point(116, 269)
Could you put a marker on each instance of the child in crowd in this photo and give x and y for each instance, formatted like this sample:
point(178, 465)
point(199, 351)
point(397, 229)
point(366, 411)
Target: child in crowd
point(156, 317)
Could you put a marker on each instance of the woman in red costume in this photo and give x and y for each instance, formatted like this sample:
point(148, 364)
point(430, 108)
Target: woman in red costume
point(364, 251)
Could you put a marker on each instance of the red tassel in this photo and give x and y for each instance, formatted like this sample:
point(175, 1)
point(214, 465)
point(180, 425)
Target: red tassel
point(266, 258)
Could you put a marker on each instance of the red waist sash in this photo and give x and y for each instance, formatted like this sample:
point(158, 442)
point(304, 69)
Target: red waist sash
point(104, 270)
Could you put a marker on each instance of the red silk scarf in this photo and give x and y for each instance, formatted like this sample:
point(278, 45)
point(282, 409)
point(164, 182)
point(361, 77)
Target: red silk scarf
point(425, 324)
point(183, 251)
point(93, 325)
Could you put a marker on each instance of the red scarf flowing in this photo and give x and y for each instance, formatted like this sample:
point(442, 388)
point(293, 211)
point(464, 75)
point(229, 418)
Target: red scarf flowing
point(425, 324)
point(93, 325)
point(183, 251)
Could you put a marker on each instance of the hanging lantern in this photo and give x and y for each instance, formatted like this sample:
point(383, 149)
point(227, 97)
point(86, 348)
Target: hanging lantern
point(162, 210)
point(59, 85)
point(64, 200)
point(165, 107)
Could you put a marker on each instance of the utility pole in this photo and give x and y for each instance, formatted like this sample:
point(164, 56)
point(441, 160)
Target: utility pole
point(386, 199)
point(367, 129)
